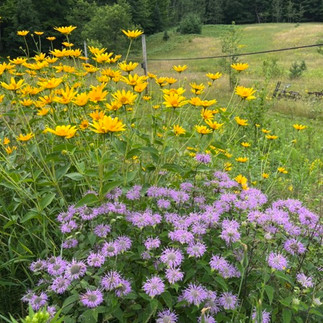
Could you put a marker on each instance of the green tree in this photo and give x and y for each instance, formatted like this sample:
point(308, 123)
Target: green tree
point(214, 12)
point(277, 10)
point(106, 24)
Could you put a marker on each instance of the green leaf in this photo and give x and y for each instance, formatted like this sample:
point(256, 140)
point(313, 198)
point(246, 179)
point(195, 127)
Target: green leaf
point(221, 282)
point(88, 199)
point(69, 303)
point(270, 293)
point(173, 168)
point(47, 199)
point(28, 216)
point(282, 276)
point(167, 297)
point(316, 312)
point(60, 172)
point(110, 185)
point(287, 315)
point(75, 176)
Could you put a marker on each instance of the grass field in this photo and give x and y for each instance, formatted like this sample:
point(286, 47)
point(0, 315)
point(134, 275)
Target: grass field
point(253, 38)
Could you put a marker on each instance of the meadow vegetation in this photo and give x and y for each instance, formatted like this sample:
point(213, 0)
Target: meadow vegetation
point(166, 197)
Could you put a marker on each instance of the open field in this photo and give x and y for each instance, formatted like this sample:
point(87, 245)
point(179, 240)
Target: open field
point(253, 38)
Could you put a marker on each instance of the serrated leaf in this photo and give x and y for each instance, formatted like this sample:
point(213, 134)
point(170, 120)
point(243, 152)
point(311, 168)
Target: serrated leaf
point(46, 200)
point(88, 199)
point(270, 293)
point(75, 176)
point(287, 315)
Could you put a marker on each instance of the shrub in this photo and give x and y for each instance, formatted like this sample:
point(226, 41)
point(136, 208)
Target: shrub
point(191, 24)
point(296, 70)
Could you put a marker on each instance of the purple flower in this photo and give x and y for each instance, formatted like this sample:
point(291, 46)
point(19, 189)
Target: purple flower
point(203, 158)
point(123, 288)
point(166, 316)
point(114, 194)
point(109, 249)
point(277, 261)
point(228, 301)
point(102, 230)
point(111, 280)
point(60, 285)
point(95, 259)
point(186, 186)
point(69, 243)
point(182, 236)
point(196, 250)
point(152, 243)
point(172, 257)
point(206, 318)
point(92, 298)
point(293, 247)
point(265, 317)
point(123, 243)
point(56, 266)
point(212, 302)
point(155, 191)
point(154, 286)
point(230, 235)
point(87, 213)
point(304, 280)
point(225, 269)
point(174, 275)
point(69, 226)
point(75, 270)
point(36, 302)
point(195, 294)
point(134, 193)
point(38, 265)
point(179, 196)
point(163, 204)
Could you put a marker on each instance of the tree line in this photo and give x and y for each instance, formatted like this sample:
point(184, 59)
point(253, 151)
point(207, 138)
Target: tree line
point(101, 21)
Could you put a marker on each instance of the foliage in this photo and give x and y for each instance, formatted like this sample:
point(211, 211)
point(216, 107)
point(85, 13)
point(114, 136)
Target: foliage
point(190, 24)
point(271, 69)
point(296, 70)
point(75, 131)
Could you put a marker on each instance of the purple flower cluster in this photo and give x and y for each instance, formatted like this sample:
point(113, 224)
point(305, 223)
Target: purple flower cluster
point(203, 158)
point(114, 281)
point(154, 286)
point(225, 269)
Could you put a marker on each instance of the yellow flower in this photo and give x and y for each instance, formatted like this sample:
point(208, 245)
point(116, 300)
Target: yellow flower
point(132, 34)
point(127, 67)
point(10, 150)
point(271, 137)
point(156, 106)
point(97, 115)
point(196, 101)
point(245, 144)
point(42, 111)
point(174, 100)
point(22, 33)
point(178, 130)
point(245, 92)
point(213, 76)
point(40, 57)
point(39, 33)
point(1, 97)
point(66, 96)
point(207, 103)
point(125, 98)
point(240, 66)
point(179, 68)
point(107, 124)
point(114, 105)
point(26, 102)
point(13, 86)
point(97, 94)
point(51, 83)
point(207, 114)
point(6, 141)
point(197, 88)
point(26, 137)
point(90, 68)
point(265, 175)
point(242, 159)
point(18, 60)
point(214, 125)
point(146, 97)
point(179, 91)
point(240, 179)
point(203, 130)
point(227, 167)
point(84, 124)
point(171, 80)
point(65, 30)
point(66, 44)
point(63, 131)
point(282, 170)
point(140, 87)
point(299, 127)
point(241, 122)
point(81, 99)
point(265, 130)
point(161, 81)
point(51, 38)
